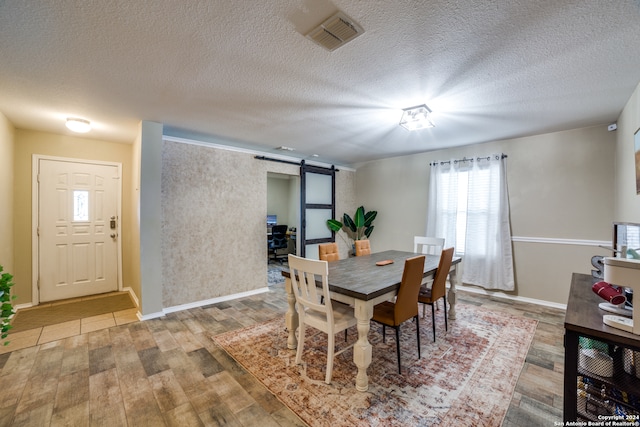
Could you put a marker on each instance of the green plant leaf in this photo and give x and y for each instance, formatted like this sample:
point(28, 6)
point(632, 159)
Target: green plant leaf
point(348, 222)
point(334, 225)
point(359, 218)
point(369, 217)
point(368, 231)
point(6, 309)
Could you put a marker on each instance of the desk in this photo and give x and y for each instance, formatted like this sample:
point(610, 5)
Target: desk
point(359, 282)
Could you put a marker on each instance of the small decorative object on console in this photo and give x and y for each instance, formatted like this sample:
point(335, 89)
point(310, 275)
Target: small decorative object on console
point(609, 293)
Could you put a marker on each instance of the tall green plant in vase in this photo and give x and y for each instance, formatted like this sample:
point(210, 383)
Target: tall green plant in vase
point(6, 308)
point(357, 228)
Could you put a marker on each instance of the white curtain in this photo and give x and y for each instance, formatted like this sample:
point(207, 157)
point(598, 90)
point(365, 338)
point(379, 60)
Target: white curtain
point(483, 217)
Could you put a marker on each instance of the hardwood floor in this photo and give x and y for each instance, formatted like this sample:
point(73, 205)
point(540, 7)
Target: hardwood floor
point(167, 371)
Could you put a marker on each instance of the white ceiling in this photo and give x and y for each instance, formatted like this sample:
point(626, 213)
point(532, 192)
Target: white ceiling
point(241, 72)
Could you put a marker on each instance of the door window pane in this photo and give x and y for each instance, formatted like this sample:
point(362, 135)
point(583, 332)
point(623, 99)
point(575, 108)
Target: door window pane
point(318, 188)
point(312, 251)
point(317, 224)
point(80, 205)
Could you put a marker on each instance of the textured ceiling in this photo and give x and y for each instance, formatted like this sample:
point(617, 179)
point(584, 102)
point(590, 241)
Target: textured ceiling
point(242, 71)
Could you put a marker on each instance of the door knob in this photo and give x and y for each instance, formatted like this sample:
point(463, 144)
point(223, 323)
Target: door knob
point(113, 235)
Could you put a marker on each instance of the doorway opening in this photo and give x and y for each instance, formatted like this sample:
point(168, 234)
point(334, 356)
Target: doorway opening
point(283, 211)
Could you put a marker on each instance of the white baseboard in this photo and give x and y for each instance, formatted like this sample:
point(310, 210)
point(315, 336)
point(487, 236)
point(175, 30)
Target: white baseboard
point(498, 294)
point(135, 299)
point(25, 305)
point(133, 295)
point(197, 304)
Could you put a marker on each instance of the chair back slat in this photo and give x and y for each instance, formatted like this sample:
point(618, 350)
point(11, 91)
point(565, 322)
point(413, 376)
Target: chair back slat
point(428, 245)
point(305, 275)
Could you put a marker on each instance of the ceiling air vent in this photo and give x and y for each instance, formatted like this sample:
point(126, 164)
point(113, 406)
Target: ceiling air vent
point(335, 31)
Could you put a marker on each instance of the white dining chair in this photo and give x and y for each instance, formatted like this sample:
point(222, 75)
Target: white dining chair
point(428, 245)
point(315, 307)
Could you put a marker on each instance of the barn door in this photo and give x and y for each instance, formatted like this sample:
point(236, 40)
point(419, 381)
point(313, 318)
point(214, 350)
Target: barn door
point(317, 205)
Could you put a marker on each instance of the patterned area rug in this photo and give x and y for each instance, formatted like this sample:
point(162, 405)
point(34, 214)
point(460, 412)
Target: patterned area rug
point(466, 378)
point(274, 275)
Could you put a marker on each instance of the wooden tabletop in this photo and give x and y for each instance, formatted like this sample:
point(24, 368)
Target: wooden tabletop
point(360, 277)
point(585, 317)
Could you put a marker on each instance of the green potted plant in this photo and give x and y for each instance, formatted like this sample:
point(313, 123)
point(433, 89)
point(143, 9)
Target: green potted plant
point(6, 308)
point(357, 228)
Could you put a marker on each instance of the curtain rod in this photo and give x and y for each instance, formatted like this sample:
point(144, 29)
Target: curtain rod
point(471, 159)
point(289, 162)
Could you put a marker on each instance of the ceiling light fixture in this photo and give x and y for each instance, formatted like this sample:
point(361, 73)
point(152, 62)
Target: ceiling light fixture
point(78, 125)
point(415, 118)
point(283, 148)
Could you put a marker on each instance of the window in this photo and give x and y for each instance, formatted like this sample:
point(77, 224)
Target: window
point(80, 205)
point(469, 207)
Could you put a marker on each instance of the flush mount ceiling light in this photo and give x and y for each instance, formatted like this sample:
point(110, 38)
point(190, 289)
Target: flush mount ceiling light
point(78, 125)
point(415, 118)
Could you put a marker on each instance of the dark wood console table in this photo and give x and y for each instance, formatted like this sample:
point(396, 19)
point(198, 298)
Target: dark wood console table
point(583, 319)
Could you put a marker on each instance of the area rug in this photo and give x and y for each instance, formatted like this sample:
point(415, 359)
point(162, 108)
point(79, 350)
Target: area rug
point(274, 275)
point(38, 317)
point(466, 378)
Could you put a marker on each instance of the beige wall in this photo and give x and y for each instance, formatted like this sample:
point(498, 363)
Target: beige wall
point(6, 194)
point(214, 204)
point(560, 190)
point(28, 143)
point(132, 239)
point(627, 202)
point(278, 201)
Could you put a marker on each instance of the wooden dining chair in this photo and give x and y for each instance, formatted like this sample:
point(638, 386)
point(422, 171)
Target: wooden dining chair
point(428, 245)
point(329, 252)
point(315, 307)
point(438, 289)
point(363, 247)
point(406, 305)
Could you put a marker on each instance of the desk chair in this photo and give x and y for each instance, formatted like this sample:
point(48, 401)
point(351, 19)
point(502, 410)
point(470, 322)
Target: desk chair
point(406, 305)
point(329, 252)
point(438, 289)
point(315, 307)
point(363, 247)
point(278, 240)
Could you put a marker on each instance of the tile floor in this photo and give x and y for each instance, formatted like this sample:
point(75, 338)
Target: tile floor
point(113, 370)
point(46, 334)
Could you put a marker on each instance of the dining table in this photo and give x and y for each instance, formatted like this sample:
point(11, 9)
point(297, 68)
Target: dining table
point(362, 283)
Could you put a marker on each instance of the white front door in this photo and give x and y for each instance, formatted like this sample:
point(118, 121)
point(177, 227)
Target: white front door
point(77, 229)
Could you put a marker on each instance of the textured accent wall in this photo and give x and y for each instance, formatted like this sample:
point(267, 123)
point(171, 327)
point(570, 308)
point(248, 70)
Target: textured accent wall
point(214, 205)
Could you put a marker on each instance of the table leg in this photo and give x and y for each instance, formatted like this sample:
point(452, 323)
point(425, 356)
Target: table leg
point(451, 297)
point(291, 318)
point(362, 348)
